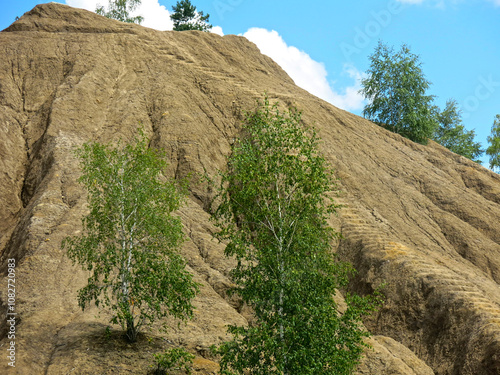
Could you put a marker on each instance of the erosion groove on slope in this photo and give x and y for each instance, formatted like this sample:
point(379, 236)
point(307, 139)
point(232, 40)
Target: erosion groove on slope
point(454, 298)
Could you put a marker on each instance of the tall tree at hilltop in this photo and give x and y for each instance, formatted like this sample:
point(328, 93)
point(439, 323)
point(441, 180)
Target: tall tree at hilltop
point(493, 151)
point(396, 90)
point(274, 201)
point(186, 17)
point(130, 239)
point(120, 10)
point(452, 134)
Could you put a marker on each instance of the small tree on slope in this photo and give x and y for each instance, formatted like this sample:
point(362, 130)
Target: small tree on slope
point(452, 134)
point(274, 205)
point(130, 238)
point(185, 17)
point(493, 151)
point(396, 89)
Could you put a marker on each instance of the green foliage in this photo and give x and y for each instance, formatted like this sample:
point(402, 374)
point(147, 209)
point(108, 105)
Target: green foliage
point(120, 10)
point(396, 89)
point(107, 333)
point(186, 17)
point(275, 199)
point(493, 150)
point(130, 238)
point(173, 359)
point(452, 134)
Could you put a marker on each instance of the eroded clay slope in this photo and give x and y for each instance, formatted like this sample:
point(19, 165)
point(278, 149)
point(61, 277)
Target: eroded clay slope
point(418, 218)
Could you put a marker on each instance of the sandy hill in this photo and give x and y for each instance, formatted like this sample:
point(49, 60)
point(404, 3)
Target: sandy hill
point(419, 218)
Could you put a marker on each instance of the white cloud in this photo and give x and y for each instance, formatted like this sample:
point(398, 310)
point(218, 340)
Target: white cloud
point(306, 72)
point(352, 98)
point(156, 16)
point(217, 30)
point(85, 4)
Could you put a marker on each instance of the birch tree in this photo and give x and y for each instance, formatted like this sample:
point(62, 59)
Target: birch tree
point(396, 89)
point(493, 150)
point(121, 10)
point(452, 134)
point(130, 239)
point(274, 201)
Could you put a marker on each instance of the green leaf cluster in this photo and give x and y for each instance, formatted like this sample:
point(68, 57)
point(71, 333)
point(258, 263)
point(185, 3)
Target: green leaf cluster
point(274, 201)
point(130, 238)
point(493, 150)
point(185, 17)
point(452, 134)
point(396, 89)
point(120, 10)
point(397, 92)
point(173, 359)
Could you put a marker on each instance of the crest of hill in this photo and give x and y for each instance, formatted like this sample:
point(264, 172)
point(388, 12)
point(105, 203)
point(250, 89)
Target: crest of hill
point(419, 218)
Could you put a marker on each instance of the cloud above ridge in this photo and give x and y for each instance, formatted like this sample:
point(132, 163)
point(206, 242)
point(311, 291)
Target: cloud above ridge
point(306, 72)
point(156, 16)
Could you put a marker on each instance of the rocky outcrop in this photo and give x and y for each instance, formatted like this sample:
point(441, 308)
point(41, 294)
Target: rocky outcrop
point(420, 219)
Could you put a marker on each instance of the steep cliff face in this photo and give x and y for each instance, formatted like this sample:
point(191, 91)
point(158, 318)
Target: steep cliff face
point(419, 218)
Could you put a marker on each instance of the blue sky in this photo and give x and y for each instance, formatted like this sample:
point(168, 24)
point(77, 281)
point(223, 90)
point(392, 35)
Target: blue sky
point(324, 46)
